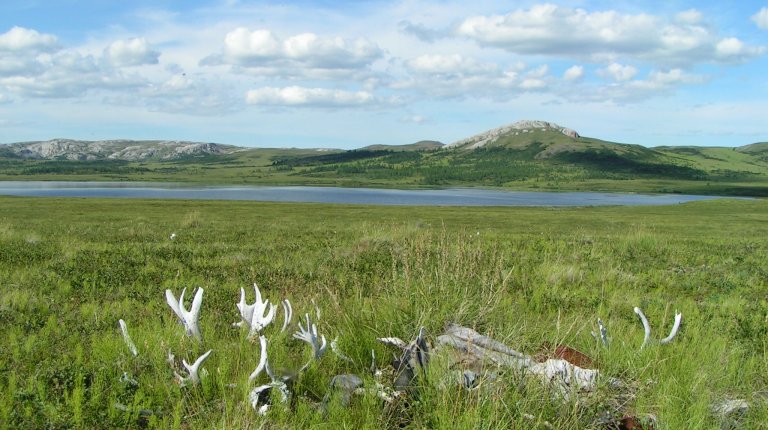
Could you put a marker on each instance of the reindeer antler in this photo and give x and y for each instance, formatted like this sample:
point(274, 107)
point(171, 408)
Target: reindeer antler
point(188, 318)
point(647, 327)
point(256, 316)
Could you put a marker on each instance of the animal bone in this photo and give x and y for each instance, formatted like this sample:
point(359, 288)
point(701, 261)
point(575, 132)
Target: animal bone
point(288, 315)
point(262, 359)
point(259, 396)
point(603, 333)
point(188, 318)
point(127, 338)
point(675, 329)
point(647, 327)
point(336, 350)
point(255, 316)
point(192, 370)
point(310, 335)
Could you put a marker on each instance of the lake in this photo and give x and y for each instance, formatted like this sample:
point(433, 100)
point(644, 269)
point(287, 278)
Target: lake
point(368, 196)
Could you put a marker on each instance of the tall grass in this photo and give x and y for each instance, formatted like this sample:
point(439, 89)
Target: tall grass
point(69, 269)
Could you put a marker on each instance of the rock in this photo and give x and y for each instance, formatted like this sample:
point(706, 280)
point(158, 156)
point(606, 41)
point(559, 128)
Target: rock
point(525, 126)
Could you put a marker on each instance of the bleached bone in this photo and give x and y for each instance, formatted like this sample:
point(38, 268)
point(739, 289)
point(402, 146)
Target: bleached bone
point(646, 326)
point(188, 318)
point(561, 375)
point(309, 334)
point(287, 315)
point(675, 329)
point(336, 350)
point(259, 396)
point(602, 333)
point(394, 341)
point(256, 316)
point(262, 359)
point(192, 370)
point(127, 338)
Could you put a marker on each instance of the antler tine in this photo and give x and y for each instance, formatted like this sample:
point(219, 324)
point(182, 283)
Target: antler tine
point(188, 318)
point(288, 315)
point(262, 359)
point(675, 329)
point(646, 326)
point(127, 338)
point(193, 377)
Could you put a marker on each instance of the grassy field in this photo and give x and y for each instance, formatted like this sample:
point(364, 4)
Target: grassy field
point(70, 268)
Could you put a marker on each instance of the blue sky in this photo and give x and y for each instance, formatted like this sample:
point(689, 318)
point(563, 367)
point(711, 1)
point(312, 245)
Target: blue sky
point(349, 74)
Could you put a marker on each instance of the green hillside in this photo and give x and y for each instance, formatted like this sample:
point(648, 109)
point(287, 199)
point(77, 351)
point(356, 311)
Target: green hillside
point(544, 157)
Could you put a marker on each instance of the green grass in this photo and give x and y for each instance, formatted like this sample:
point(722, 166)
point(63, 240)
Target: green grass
point(70, 268)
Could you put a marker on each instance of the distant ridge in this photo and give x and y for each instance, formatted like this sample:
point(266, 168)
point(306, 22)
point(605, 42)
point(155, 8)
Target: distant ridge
point(422, 145)
point(130, 150)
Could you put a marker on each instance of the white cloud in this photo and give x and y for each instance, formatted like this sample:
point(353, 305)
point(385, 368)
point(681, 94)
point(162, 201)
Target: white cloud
point(310, 97)
point(574, 73)
point(602, 36)
point(131, 52)
point(23, 39)
point(458, 76)
point(761, 18)
point(305, 54)
point(618, 72)
point(734, 50)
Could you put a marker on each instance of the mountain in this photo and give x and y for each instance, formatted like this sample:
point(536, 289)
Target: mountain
point(130, 150)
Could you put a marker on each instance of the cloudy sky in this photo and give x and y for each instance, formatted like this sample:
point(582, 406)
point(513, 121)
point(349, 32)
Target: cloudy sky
point(346, 74)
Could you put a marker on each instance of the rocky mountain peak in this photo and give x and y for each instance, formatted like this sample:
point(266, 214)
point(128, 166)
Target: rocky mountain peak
point(523, 126)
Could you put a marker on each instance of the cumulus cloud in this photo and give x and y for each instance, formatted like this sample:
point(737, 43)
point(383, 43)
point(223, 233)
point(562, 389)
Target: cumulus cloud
point(458, 76)
point(618, 72)
point(603, 36)
point(574, 73)
point(23, 39)
point(299, 55)
point(296, 96)
point(761, 18)
point(131, 52)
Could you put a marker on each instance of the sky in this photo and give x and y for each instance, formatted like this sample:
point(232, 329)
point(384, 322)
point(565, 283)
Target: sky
point(346, 74)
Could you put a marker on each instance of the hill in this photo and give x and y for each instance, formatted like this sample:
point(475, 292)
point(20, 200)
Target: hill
point(131, 150)
point(526, 155)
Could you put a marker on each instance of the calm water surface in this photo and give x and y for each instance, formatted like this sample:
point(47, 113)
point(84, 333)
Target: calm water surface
point(373, 196)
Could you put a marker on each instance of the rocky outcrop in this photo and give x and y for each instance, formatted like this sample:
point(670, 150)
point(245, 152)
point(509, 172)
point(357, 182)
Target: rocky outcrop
point(131, 150)
point(517, 128)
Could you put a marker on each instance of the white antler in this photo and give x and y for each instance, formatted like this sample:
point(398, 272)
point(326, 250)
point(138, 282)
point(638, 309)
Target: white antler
point(288, 315)
point(188, 318)
point(646, 326)
point(262, 359)
point(193, 377)
point(256, 316)
point(310, 335)
point(675, 329)
point(603, 333)
point(127, 338)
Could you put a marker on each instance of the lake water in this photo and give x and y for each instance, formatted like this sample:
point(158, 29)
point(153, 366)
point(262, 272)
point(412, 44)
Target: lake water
point(372, 196)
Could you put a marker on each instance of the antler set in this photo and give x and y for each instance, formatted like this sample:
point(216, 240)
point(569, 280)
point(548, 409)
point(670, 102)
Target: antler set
point(603, 332)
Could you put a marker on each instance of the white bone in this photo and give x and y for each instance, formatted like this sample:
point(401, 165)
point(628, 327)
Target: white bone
point(188, 318)
point(262, 359)
point(192, 370)
point(646, 326)
point(675, 329)
point(310, 335)
point(256, 316)
point(127, 338)
point(288, 315)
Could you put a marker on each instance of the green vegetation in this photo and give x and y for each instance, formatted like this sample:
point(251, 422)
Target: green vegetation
point(537, 160)
point(70, 268)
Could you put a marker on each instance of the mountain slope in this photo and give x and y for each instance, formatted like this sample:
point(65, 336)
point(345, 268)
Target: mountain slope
point(130, 150)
